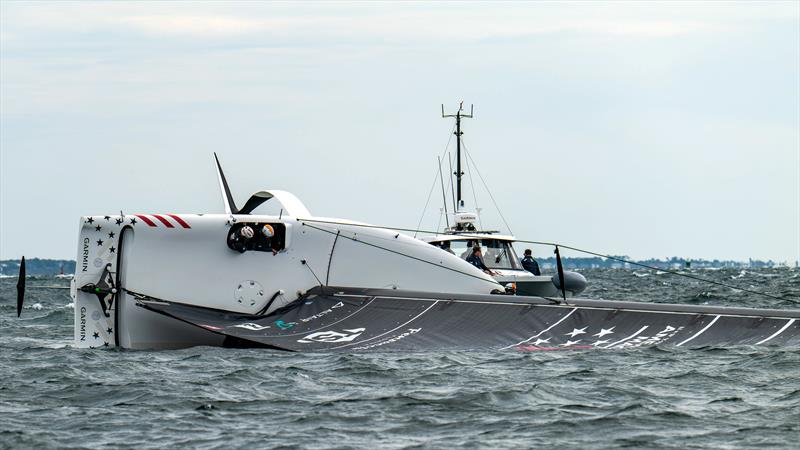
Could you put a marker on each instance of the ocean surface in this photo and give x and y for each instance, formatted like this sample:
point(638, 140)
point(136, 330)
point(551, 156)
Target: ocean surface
point(54, 396)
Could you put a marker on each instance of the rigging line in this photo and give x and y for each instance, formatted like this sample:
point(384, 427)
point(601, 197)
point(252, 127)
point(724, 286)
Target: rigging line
point(444, 195)
point(422, 216)
point(410, 230)
point(305, 263)
point(330, 259)
point(452, 189)
point(395, 252)
point(487, 189)
point(614, 258)
point(448, 190)
point(433, 185)
point(474, 195)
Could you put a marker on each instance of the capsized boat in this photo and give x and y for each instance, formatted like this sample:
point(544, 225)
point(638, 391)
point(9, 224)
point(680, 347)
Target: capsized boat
point(306, 283)
point(124, 258)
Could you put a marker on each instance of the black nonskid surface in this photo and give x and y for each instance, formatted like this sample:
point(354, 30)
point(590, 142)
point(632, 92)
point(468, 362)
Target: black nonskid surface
point(356, 320)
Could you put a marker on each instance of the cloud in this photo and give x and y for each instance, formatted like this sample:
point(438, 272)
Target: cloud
point(405, 26)
point(368, 22)
point(671, 117)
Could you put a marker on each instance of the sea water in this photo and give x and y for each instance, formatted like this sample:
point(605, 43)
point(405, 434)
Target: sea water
point(54, 396)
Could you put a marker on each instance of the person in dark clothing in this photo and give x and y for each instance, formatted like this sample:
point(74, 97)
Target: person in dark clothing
point(239, 240)
point(446, 247)
point(476, 259)
point(530, 264)
point(265, 242)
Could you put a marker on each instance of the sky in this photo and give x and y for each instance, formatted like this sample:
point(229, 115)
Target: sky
point(640, 129)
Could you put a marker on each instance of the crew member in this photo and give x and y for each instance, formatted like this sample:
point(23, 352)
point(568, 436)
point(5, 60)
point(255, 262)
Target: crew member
point(268, 233)
point(469, 249)
point(530, 264)
point(477, 260)
point(446, 247)
point(239, 240)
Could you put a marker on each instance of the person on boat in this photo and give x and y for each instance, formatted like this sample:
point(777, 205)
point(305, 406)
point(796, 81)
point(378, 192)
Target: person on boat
point(239, 240)
point(446, 247)
point(477, 260)
point(267, 233)
point(470, 249)
point(530, 264)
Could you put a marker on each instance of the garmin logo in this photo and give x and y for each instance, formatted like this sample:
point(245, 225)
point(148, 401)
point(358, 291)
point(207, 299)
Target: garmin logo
point(85, 262)
point(83, 323)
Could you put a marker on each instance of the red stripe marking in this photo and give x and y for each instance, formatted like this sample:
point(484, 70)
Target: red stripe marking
point(163, 220)
point(180, 221)
point(146, 220)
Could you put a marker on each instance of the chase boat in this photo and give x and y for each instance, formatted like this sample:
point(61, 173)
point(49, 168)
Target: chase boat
point(498, 253)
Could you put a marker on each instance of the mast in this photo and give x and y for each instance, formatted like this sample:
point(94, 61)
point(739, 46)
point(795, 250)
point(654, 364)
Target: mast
point(458, 173)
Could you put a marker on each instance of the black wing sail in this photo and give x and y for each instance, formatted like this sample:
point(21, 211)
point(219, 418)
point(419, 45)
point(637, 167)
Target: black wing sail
point(354, 320)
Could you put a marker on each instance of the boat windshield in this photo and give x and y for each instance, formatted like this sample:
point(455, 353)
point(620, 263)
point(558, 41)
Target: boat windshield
point(497, 254)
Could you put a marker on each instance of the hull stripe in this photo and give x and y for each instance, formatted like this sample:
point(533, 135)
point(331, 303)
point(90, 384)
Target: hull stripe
point(163, 220)
point(145, 219)
point(700, 332)
point(180, 221)
point(775, 334)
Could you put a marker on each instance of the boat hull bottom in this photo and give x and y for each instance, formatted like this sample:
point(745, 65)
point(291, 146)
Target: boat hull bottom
point(141, 329)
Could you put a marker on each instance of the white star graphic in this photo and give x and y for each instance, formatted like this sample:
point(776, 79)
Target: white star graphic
point(569, 343)
point(542, 341)
point(576, 332)
point(604, 341)
point(604, 332)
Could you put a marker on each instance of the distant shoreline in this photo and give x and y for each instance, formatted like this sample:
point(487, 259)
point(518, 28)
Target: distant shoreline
point(38, 266)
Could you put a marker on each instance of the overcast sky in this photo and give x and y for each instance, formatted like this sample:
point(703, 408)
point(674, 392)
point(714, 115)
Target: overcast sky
point(649, 130)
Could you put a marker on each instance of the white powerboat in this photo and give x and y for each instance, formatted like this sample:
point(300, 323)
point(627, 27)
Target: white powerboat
point(498, 254)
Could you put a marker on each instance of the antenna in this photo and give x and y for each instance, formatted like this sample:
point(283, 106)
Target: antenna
point(452, 188)
point(444, 196)
point(458, 173)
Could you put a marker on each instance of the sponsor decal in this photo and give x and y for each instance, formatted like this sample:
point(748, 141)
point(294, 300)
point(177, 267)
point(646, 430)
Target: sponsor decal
point(252, 326)
point(601, 339)
point(647, 341)
point(390, 340)
point(284, 325)
point(332, 336)
point(322, 313)
point(85, 262)
point(83, 324)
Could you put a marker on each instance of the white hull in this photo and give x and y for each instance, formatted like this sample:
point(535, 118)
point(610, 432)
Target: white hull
point(193, 264)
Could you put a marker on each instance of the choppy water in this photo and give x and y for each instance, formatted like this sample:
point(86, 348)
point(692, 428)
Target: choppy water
point(54, 396)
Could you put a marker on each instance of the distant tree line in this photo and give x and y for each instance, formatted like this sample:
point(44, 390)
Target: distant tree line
point(36, 266)
point(667, 263)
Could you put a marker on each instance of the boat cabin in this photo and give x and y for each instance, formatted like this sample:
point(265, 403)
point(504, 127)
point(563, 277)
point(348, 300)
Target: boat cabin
point(498, 251)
